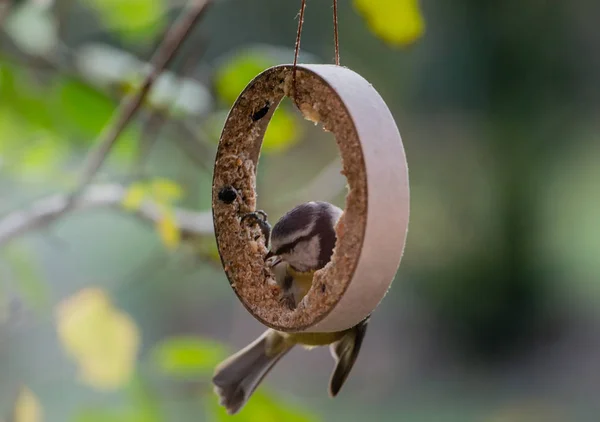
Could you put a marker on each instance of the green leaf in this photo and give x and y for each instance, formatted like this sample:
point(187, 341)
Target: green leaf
point(27, 101)
point(133, 20)
point(10, 134)
point(30, 146)
point(29, 152)
point(262, 407)
point(41, 156)
point(397, 22)
point(187, 356)
point(87, 111)
point(234, 74)
point(7, 80)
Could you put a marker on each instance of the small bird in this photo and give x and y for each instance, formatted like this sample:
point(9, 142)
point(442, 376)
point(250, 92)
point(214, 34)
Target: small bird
point(302, 242)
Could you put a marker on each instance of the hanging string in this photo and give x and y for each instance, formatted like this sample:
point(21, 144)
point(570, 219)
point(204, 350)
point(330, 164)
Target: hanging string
point(298, 35)
point(335, 33)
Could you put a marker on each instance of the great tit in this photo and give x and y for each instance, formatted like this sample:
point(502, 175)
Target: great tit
point(302, 242)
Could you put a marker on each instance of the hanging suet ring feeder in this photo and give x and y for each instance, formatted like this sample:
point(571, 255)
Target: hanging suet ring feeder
point(372, 231)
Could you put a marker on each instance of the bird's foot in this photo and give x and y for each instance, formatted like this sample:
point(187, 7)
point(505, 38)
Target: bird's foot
point(288, 300)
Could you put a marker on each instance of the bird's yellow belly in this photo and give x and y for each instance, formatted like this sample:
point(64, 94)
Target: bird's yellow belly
point(302, 282)
point(301, 285)
point(314, 339)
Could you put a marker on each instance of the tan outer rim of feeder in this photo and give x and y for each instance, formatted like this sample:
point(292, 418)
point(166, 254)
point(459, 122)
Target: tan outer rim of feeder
point(371, 233)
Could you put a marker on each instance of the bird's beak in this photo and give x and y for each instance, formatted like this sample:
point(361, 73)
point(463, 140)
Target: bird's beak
point(272, 260)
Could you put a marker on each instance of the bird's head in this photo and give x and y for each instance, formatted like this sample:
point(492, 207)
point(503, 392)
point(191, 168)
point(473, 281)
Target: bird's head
point(304, 237)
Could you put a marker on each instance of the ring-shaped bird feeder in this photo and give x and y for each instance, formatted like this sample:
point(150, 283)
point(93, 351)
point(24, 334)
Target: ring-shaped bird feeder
point(372, 231)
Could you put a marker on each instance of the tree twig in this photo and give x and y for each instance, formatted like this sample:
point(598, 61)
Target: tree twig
point(156, 119)
point(48, 210)
point(130, 105)
point(195, 143)
point(149, 134)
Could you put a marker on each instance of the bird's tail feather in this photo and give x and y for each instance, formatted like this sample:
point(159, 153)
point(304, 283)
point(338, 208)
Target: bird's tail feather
point(345, 352)
point(238, 376)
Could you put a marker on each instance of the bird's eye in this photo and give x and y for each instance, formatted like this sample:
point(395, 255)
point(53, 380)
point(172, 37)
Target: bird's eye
point(287, 253)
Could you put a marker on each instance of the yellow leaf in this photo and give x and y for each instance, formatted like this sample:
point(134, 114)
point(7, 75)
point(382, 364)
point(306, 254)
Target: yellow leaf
point(165, 191)
point(134, 196)
point(27, 407)
point(283, 132)
point(168, 229)
point(101, 339)
point(397, 22)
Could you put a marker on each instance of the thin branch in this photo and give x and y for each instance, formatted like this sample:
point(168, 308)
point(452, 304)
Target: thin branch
point(48, 210)
point(155, 121)
point(196, 145)
point(61, 13)
point(130, 105)
point(149, 135)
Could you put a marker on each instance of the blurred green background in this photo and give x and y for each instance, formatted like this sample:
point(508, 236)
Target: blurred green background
point(493, 316)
